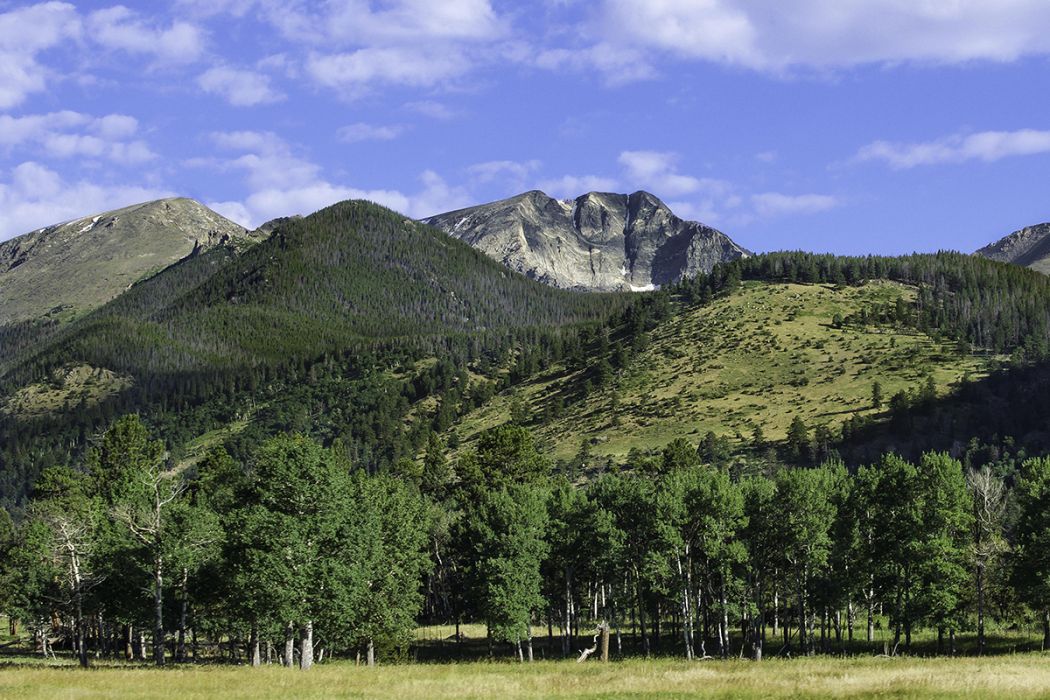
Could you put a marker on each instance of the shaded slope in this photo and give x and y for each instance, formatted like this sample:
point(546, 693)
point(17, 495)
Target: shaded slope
point(352, 273)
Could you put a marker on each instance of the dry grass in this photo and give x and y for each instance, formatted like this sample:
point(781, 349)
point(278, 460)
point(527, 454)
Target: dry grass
point(1015, 676)
point(759, 358)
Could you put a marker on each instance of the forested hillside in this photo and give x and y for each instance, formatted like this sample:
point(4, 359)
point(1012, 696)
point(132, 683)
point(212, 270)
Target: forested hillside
point(369, 331)
point(319, 328)
point(765, 450)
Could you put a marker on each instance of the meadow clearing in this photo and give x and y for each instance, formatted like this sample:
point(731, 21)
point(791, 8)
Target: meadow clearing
point(1013, 676)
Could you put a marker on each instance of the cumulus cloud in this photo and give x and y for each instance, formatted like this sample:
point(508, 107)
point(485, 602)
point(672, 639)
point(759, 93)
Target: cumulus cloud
point(121, 28)
point(774, 204)
point(241, 88)
point(282, 183)
point(515, 170)
point(569, 186)
point(25, 32)
point(354, 133)
point(358, 45)
point(830, 33)
point(617, 64)
point(704, 199)
point(356, 22)
point(431, 108)
point(36, 196)
point(985, 146)
point(355, 72)
point(658, 171)
point(70, 134)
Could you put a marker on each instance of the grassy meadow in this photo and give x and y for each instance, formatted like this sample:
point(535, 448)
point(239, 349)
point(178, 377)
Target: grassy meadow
point(1015, 676)
point(760, 357)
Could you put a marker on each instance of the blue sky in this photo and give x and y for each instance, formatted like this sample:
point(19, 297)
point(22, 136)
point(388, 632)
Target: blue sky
point(849, 126)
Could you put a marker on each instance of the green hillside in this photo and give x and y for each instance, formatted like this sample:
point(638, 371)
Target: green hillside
point(371, 332)
point(354, 272)
point(758, 358)
point(331, 325)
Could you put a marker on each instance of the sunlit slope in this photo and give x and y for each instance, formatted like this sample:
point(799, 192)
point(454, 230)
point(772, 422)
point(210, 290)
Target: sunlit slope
point(758, 358)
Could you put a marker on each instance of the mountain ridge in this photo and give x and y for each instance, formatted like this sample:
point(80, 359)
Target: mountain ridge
point(599, 241)
point(67, 269)
point(1028, 247)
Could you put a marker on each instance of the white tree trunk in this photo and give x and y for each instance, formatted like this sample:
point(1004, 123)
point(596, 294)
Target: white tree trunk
point(306, 647)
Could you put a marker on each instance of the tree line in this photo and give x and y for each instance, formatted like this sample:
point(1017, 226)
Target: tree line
point(297, 555)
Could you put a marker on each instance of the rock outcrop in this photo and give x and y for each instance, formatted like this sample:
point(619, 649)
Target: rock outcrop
point(596, 242)
point(1029, 247)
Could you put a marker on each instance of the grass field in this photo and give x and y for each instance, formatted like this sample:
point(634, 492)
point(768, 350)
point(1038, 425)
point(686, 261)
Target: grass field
point(1017, 676)
point(761, 357)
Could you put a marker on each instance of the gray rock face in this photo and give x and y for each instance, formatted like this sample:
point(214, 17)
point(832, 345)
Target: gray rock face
point(1029, 247)
point(596, 242)
point(67, 269)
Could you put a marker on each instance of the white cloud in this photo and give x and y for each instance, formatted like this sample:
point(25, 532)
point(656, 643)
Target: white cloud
point(353, 133)
point(70, 134)
point(696, 198)
point(208, 8)
point(360, 44)
point(265, 141)
point(774, 204)
point(436, 196)
point(24, 33)
point(658, 171)
point(431, 108)
point(986, 146)
point(80, 145)
point(570, 186)
point(281, 183)
point(355, 22)
point(514, 172)
point(36, 196)
point(266, 160)
point(120, 28)
point(822, 34)
point(617, 64)
point(241, 88)
point(115, 126)
point(355, 72)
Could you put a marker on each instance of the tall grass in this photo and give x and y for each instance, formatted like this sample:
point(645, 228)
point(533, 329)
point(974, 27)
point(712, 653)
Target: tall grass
point(1017, 676)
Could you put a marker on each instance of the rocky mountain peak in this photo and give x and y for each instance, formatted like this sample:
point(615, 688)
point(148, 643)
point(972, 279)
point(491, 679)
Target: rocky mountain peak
point(599, 241)
point(1029, 247)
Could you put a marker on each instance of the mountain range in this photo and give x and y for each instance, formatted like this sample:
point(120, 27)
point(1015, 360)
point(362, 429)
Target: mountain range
point(369, 330)
point(595, 242)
